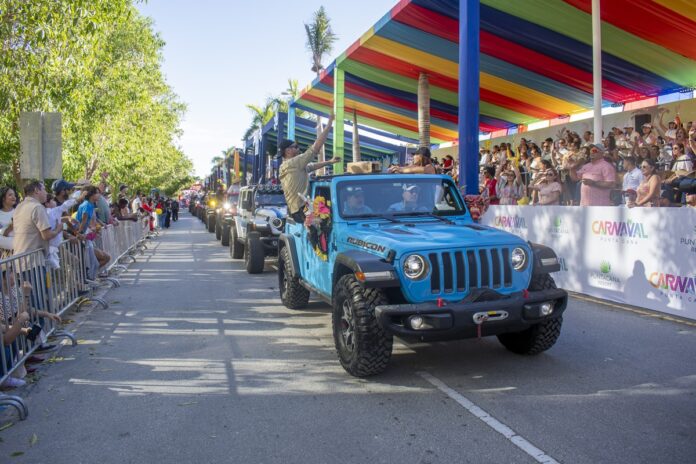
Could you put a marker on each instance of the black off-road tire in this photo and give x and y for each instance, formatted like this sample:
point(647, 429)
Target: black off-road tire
point(236, 247)
point(539, 337)
point(371, 346)
point(254, 257)
point(211, 223)
point(292, 294)
point(218, 230)
point(225, 236)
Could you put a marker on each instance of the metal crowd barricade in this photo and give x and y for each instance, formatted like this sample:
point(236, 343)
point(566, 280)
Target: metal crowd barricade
point(33, 289)
point(29, 298)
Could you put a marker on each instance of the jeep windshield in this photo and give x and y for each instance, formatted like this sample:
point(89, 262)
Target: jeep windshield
point(387, 197)
point(270, 199)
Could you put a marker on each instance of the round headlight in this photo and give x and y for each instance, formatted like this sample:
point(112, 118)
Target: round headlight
point(227, 205)
point(415, 267)
point(518, 258)
point(277, 223)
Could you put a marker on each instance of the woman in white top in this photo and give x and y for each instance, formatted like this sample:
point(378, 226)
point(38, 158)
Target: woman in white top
point(683, 161)
point(8, 201)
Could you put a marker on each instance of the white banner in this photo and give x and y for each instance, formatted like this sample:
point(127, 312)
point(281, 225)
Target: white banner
point(641, 256)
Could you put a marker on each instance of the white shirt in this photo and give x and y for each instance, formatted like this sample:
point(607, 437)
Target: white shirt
point(683, 163)
point(54, 218)
point(5, 219)
point(632, 179)
point(136, 204)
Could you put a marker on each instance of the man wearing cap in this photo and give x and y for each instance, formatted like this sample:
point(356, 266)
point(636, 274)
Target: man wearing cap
point(409, 200)
point(422, 164)
point(62, 189)
point(355, 202)
point(295, 168)
point(598, 177)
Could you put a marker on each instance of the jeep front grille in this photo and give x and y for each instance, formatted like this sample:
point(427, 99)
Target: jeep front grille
point(461, 270)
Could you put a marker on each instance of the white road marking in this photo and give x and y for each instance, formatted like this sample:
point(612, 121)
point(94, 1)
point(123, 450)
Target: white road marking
point(491, 421)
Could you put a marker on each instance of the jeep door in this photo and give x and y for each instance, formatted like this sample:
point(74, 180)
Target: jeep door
point(317, 269)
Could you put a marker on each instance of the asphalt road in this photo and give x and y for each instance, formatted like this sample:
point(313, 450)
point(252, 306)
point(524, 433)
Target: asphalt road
point(196, 361)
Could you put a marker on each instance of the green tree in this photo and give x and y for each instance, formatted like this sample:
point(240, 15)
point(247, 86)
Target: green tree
point(98, 63)
point(261, 115)
point(320, 40)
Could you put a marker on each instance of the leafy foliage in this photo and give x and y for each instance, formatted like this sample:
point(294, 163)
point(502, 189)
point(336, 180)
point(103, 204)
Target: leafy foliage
point(98, 63)
point(320, 38)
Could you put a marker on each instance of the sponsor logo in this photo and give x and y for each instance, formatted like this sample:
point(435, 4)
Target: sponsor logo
point(688, 242)
point(510, 222)
point(619, 231)
point(559, 227)
point(674, 283)
point(604, 278)
point(367, 245)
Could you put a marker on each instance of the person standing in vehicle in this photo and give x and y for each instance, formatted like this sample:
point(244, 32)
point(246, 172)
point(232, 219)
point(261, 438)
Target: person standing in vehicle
point(422, 164)
point(295, 168)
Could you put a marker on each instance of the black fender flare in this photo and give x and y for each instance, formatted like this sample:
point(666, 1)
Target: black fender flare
point(545, 259)
point(356, 261)
point(289, 242)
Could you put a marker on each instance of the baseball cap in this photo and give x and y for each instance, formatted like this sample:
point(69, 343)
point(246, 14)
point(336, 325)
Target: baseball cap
point(60, 185)
point(598, 146)
point(285, 144)
point(410, 187)
point(354, 190)
point(647, 124)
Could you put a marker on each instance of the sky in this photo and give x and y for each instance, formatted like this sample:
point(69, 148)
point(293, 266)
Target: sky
point(221, 55)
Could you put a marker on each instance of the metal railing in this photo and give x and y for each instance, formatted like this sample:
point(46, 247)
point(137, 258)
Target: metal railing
point(36, 291)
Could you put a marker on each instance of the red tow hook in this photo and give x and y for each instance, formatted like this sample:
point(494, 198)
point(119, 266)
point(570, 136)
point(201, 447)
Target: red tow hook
point(525, 294)
point(440, 303)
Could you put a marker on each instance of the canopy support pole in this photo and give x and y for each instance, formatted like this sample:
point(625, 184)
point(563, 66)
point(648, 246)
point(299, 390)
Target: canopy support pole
point(469, 26)
point(281, 135)
point(597, 69)
point(291, 124)
point(339, 112)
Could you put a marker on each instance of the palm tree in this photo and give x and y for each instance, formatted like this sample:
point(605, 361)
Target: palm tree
point(291, 93)
point(320, 40)
point(260, 115)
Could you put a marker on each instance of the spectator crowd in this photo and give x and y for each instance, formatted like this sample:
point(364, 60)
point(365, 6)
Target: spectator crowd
point(42, 220)
point(631, 168)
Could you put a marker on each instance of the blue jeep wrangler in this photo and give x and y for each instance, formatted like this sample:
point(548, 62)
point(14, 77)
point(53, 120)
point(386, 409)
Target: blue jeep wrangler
point(400, 255)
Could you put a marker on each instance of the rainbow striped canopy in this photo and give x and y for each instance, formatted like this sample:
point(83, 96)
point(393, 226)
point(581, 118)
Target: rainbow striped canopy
point(536, 61)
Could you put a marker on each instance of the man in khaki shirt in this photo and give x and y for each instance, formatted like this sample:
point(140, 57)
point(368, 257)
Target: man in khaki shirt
point(30, 221)
point(295, 169)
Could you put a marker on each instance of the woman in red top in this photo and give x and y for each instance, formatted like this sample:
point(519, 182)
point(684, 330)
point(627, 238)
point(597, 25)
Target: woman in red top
point(489, 185)
point(447, 164)
point(147, 206)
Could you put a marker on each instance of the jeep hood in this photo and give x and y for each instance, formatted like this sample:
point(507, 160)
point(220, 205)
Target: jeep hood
point(428, 236)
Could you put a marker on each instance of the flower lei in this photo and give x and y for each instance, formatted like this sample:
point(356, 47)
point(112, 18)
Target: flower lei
point(318, 224)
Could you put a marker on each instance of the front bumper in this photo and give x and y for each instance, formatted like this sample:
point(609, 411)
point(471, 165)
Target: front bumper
point(270, 245)
point(451, 321)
